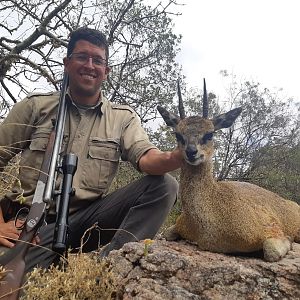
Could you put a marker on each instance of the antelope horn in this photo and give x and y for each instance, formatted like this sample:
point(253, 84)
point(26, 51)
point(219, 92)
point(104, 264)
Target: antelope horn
point(180, 102)
point(205, 101)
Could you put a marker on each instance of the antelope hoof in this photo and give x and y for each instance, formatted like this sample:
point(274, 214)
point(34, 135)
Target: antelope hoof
point(276, 248)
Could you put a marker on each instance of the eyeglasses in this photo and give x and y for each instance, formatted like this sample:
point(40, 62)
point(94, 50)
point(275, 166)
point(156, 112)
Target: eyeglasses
point(83, 58)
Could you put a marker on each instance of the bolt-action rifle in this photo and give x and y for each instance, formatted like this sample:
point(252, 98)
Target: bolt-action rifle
point(13, 260)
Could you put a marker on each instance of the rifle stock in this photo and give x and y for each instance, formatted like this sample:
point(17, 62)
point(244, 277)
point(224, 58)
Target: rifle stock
point(14, 263)
point(14, 259)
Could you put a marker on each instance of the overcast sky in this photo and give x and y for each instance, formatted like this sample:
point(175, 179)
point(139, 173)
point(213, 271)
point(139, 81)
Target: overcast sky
point(254, 39)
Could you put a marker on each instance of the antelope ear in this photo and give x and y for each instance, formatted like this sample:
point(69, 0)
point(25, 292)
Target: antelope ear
point(170, 119)
point(227, 119)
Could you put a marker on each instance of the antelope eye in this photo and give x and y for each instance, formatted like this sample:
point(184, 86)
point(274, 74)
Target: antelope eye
point(179, 138)
point(207, 137)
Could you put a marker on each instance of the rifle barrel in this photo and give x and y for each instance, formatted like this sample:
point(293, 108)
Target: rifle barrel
point(59, 129)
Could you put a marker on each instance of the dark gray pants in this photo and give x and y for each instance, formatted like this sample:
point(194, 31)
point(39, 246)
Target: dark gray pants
point(132, 213)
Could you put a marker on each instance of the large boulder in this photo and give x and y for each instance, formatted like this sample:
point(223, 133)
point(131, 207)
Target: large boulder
point(178, 270)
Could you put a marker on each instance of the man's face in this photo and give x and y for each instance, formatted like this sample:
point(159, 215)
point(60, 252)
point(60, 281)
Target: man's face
point(86, 76)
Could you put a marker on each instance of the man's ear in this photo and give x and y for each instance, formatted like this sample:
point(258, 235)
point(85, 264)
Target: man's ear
point(66, 63)
point(170, 119)
point(227, 119)
point(107, 70)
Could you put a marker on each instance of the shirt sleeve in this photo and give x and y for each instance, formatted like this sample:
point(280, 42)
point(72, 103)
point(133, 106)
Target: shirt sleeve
point(15, 130)
point(135, 141)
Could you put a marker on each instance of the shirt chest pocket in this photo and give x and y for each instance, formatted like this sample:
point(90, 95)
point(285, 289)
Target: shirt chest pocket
point(32, 158)
point(39, 141)
point(37, 148)
point(101, 165)
point(39, 145)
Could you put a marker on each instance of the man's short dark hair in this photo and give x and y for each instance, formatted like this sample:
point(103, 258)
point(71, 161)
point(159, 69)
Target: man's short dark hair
point(90, 35)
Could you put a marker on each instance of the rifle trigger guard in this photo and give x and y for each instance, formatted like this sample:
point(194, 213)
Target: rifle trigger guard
point(21, 215)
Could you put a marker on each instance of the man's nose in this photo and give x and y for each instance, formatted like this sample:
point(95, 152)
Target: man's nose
point(89, 62)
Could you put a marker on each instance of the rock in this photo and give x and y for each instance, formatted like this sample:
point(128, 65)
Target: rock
point(178, 270)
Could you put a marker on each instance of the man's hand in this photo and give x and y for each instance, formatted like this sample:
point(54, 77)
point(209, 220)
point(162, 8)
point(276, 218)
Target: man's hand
point(13, 231)
point(156, 162)
point(9, 230)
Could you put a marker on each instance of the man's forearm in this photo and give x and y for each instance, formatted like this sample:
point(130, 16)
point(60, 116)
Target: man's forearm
point(156, 162)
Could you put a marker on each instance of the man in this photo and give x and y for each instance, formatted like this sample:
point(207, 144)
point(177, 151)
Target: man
point(99, 133)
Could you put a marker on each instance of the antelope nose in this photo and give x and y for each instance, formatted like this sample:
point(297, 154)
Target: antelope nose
point(191, 152)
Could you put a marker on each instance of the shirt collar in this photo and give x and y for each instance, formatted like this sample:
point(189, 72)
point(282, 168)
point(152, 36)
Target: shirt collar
point(102, 102)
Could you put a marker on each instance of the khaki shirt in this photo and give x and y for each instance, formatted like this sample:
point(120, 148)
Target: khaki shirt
point(99, 136)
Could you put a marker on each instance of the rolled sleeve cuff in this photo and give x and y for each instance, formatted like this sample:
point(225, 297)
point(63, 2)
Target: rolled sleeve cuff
point(139, 149)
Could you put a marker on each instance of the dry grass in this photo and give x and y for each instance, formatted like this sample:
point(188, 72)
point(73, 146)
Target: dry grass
point(81, 276)
point(2, 273)
point(84, 278)
point(9, 176)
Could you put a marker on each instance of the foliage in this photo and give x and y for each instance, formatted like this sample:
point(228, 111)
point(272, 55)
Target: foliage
point(126, 174)
point(2, 273)
point(143, 47)
point(278, 169)
point(9, 176)
point(267, 119)
point(84, 278)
